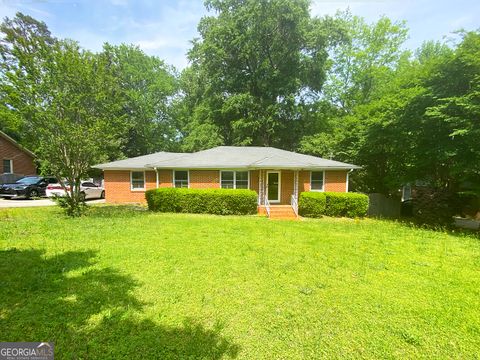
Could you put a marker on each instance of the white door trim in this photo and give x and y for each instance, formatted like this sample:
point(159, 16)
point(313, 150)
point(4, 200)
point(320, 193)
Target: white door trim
point(279, 186)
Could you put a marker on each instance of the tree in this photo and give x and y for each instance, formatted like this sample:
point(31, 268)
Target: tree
point(255, 64)
point(147, 86)
point(365, 63)
point(448, 145)
point(24, 49)
point(67, 100)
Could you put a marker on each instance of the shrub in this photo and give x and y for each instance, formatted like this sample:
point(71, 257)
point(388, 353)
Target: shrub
point(71, 208)
point(434, 206)
point(316, 204)
point(207, 201)
point(311, 204)
point(346, 204)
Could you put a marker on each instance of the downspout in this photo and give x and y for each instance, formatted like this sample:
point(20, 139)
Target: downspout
point(348, 173)
point(156, 173)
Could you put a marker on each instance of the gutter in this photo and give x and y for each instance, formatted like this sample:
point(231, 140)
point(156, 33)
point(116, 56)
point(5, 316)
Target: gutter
point(348, 179)
point(156, 177)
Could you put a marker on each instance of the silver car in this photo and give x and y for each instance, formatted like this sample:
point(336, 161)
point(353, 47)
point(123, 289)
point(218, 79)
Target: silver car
point(88, 190)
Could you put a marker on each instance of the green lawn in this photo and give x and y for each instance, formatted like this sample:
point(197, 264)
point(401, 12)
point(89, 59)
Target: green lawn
point(123, 283)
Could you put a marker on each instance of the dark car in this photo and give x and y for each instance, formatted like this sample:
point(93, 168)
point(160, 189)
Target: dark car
point(27, 187)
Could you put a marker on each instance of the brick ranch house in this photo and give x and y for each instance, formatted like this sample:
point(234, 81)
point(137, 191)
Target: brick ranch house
point(16, 160)
point(278, 176)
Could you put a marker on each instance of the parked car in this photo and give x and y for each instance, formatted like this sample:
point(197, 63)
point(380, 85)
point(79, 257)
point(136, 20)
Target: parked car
point(27, 187)
point(88, 190)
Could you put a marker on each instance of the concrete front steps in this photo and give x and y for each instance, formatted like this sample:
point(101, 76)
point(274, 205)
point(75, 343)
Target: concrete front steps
point(284, 212)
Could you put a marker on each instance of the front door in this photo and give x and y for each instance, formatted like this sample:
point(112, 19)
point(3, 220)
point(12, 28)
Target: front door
point(273, 186)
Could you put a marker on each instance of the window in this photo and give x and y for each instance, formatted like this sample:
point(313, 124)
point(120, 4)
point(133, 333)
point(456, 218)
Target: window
point(316, 181)
point(234, 179)
point(7, 166)
point(180, 178)
point(137, 180)
point(241, 179)
point(228, 180)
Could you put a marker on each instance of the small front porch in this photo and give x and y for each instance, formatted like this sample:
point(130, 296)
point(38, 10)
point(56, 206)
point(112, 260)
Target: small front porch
point(282, 212)
point(278, 193)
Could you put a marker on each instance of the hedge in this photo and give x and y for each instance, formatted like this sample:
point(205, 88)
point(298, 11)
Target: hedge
point(206, 201)
point(316, 204)
point(346, 204)
point(312, 204)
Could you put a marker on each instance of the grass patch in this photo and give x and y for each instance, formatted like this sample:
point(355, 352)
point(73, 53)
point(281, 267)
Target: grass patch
point(125, 283)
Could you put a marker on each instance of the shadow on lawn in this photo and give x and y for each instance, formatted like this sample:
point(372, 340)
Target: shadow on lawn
point(120, 211)
point(90, 313)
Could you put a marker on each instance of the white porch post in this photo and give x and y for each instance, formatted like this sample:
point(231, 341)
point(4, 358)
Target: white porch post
point(295, 184)
point(156, 177)
point(260, 188)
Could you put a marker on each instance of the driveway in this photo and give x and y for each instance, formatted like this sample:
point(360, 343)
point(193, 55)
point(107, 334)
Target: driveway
point(15, 203)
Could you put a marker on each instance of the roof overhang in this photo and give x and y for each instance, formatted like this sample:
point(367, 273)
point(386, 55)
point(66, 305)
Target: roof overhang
point(232, 167)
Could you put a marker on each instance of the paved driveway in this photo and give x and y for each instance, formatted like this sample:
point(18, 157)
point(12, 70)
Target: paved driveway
point(14, 203)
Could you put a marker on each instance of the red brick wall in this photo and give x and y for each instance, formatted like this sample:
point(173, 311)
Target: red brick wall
point(165, 178)
point(117, 186)
point(303, 181)
point(336, 181)
point(286, 187)
point(204, 179)
point(117, 183)
point(22, 162)
point(254, 180)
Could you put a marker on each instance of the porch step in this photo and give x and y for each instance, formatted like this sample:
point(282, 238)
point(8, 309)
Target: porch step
point(282, 212)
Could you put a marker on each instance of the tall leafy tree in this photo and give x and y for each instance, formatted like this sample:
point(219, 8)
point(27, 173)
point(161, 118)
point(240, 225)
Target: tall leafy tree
point(362, 69)
point(257, 62)
point(147, 87)
point(363, 65)
point(25, 48)
point(66, 98)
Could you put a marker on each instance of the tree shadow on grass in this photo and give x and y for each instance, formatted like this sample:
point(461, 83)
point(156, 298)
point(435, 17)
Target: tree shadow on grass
point(107, 211)
point(90, 313)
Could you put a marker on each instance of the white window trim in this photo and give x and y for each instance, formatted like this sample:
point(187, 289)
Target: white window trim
point(235, 177)
point(323, 182)
point(279, 186)
point(131, 181)
point(188, 177)
point(11, 166)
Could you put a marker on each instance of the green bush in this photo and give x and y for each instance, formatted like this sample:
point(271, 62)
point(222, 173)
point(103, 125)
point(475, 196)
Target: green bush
point(312, 204)
point(206, 201)
point(434, 207)
point(346, 204)
point(316, 204)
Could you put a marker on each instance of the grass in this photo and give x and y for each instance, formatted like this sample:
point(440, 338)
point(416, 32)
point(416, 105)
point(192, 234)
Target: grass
point(124, 283)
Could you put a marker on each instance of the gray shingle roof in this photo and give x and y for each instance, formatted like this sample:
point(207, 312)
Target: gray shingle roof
point(139, 162)
point(229, 157)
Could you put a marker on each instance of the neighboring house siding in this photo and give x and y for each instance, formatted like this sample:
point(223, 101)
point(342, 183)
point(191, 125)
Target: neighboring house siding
point(118, 188)
point(204, 179)
point(336, 181)
point(23, 163)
